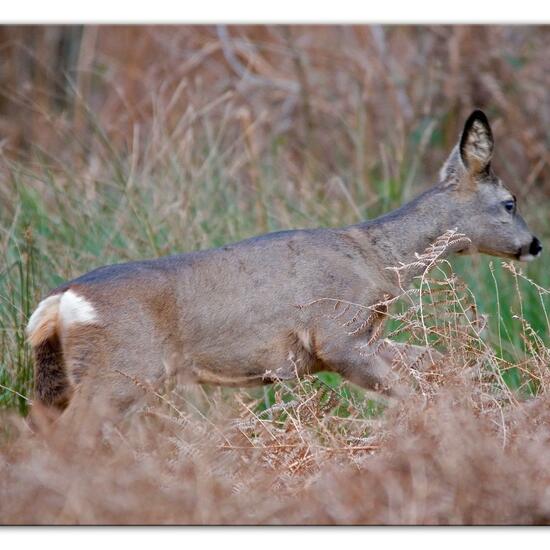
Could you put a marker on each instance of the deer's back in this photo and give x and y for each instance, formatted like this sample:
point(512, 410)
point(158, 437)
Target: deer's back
point(233, 307)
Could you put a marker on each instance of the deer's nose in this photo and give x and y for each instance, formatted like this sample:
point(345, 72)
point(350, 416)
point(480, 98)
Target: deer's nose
point(535, 247)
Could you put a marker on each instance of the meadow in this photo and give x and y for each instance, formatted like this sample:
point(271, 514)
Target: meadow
point(123, 143)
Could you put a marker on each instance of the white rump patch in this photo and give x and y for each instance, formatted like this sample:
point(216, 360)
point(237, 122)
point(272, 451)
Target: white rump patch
point(43, 307)
point(75, 309)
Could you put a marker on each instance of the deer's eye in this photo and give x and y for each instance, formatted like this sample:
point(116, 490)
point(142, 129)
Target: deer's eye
point(510, 206)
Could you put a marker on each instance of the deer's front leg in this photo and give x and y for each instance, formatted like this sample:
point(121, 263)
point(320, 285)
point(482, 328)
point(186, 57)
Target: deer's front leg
point(382, 366)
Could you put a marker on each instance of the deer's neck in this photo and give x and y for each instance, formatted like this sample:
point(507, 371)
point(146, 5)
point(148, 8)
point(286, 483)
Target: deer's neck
point(401, 235)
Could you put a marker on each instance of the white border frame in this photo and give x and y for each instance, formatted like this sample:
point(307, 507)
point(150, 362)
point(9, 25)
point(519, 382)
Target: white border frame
point(275, 11)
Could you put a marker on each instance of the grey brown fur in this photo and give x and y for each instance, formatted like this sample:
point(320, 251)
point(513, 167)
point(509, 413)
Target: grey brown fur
point(272, 307)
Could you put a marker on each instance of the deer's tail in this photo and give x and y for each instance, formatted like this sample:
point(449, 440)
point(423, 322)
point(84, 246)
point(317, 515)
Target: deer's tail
point(51, 383)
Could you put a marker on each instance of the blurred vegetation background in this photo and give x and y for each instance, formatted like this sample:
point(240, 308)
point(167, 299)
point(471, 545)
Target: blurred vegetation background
point(363, 97)
point(127, 142)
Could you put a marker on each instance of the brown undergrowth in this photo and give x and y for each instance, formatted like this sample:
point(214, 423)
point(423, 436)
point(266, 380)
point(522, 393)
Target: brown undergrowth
point(461, 449)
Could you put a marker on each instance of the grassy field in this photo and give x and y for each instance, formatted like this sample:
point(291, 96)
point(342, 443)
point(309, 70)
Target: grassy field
point(57, 224)
point(471, 444)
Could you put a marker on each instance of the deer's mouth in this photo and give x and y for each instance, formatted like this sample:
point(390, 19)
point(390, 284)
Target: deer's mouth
point(527, 257)
point(530, 252)
point(516, 255)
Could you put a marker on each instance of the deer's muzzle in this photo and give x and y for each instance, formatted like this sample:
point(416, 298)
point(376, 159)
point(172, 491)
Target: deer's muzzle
point(534, 250)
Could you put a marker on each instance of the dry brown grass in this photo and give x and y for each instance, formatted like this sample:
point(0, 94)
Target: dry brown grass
point(373, 86)
point(444, 460)
point(461, 449)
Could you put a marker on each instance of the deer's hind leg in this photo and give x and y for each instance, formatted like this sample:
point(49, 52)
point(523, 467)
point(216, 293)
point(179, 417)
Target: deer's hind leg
point(102, 389)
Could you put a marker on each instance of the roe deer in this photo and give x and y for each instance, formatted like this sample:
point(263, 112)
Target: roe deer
point(232, 315)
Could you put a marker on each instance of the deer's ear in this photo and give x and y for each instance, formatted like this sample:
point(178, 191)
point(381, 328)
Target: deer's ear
point(476, 144)
point(451, 170)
